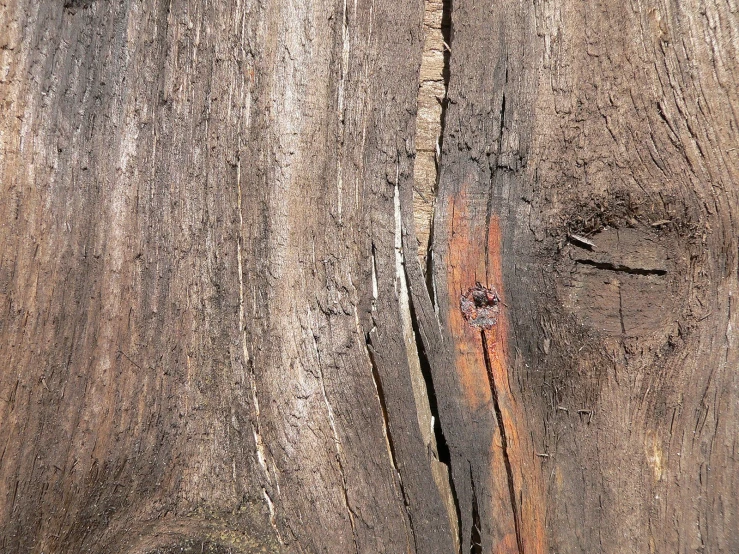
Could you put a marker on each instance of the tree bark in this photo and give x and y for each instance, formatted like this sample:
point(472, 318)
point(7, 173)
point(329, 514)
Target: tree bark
point(240, 314)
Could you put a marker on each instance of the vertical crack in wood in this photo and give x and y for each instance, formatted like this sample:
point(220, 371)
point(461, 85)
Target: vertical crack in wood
point(441, 446)
point(432, 103)
point(375, 290)
point(418, 237)
point(256, 431)
point(503, 439)
point(388, 435)
point(381, 399)
point(430, 127)
point(420, 392)
point(427, 419)
point(446, 33)
point(339, 454)
point(271, 507)
point(373, 364)
point(476, 533)
point(420, 395)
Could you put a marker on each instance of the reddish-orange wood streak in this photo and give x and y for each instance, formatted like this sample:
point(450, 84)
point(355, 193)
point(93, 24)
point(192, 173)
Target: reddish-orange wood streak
point(475, 255)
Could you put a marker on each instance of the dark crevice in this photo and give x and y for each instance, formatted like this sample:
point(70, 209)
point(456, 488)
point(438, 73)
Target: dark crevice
point(442, 447)
point(386, 424)
point(503, 440)
point(447, 36)
point(381, 396)
point(502, 114)
point(621, 268)
point(429, 253)
point(441, 444)
point(663, 117)
point(475, 535)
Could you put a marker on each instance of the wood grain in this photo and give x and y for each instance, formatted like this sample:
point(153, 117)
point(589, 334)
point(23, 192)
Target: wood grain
point(216, 333)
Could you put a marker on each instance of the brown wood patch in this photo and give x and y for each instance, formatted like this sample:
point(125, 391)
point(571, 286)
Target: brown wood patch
point(466, 267)
point(479, 326)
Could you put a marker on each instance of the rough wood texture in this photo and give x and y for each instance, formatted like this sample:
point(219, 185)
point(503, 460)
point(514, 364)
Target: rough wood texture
point(431, 100)
point(187, 285)
point(216, 332)
point(602, 139)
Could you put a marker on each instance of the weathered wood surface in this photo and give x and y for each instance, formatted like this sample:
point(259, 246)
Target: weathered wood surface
point(219, 332)
point(615, 123)
point(432, 83)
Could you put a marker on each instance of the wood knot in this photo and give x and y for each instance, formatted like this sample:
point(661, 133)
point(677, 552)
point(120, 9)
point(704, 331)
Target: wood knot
point(480, 306)
point(624, 282)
